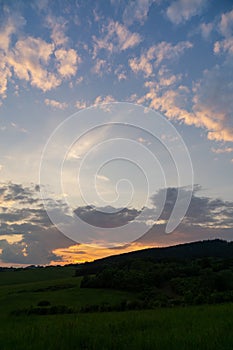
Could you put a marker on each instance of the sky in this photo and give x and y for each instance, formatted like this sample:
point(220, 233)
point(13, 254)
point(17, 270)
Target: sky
point(116, 126)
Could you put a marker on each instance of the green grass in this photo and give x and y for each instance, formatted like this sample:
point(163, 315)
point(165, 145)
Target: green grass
point(200, 327)
point(20, 276)
point(208, 327)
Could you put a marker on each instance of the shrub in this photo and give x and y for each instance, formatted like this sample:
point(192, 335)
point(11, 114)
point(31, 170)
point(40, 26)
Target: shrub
point(44, 303)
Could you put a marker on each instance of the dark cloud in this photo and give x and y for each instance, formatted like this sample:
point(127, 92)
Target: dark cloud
point(182, 234)
point(201, 211)
point(107, 217)
point(35, 248)
point(19, 193)
point(206, 218)
point(39, 236)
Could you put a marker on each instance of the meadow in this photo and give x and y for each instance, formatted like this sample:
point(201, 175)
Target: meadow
point(190, 327)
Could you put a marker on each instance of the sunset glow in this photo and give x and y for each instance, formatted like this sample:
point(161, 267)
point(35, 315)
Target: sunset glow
point(116, 127)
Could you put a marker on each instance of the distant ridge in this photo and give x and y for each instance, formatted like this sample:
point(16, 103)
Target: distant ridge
point(216, 248)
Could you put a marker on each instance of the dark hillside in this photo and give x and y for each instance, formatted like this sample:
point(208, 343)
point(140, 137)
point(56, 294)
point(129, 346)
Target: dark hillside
point(210, 248)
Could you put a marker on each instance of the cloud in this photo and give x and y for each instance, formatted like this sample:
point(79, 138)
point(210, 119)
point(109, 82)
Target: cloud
point(206, 218)
point(58, 28)
point(120, 73)
point(167, 78)
point(29, 58)
point(99, 100)
point(106, 217)
point(18, 128)
point(16, 192)
point(79, 80)
point(9, 27)
point(208, 106)
point(182, 10)
point(104, 100)
point(213, 102)
point(67, 62)
point(5, 75)
point(35, 248)
point(55, 104)
point(156, 235)
point(115, 38)
point(226, 24)
point(102, 178)
point(101, 67)
point(224, 46)
point(222, 150)
point(43, 64)
point(80, 104)
point(225, 27)
point(27, 235)
point(206, 29)
point(156, 54)
point(137, 11)
point(82, 253)
point(172, 102)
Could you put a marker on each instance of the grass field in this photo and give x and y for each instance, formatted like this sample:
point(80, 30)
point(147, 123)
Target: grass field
point(197, 327)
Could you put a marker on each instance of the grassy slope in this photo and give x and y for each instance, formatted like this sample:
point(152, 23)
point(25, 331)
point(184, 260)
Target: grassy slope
point(205, 327)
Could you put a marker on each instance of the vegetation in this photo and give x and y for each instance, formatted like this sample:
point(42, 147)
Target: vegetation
point(123, 306)
point(211, 248)
point(169, 283)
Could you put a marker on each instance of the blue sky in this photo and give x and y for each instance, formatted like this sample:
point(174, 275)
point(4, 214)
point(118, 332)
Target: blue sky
point(61, 57)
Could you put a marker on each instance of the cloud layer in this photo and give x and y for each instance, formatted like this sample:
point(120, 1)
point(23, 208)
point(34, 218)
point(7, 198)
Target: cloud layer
point(27, 236)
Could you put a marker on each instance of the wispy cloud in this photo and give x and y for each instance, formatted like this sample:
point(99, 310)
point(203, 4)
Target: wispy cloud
point(115, 37)
point(8, 28)
point(19, 128)
point(213, 107)
point(225, 27)
point(224, 46)
point(80, 104)
point(101, 67)
point(104, 100)
point(206, 29)
point(226, 24)
point(172, 102)
point(55, 104)
point(102, 178)
point(182, 10)
point(35, 60)
point(58, 28)
point(137, 11)
point(156, 54)
point(120, 72)
point(222, 150)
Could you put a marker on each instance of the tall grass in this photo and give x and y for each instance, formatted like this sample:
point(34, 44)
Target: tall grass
point(201, 327)
point(206, 327)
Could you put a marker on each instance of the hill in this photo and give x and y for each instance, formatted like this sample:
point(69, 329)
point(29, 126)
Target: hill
point(216, 248)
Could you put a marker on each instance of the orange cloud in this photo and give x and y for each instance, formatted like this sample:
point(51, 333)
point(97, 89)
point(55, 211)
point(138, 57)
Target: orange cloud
point(116, 38)
point(81, 252)
point(156, 54)
point(67, 62)
point(30, 58)
point(55, 104)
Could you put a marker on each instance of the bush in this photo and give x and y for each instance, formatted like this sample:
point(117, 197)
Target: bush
point(44, 303)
